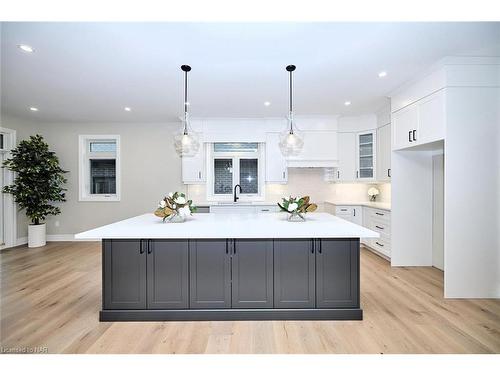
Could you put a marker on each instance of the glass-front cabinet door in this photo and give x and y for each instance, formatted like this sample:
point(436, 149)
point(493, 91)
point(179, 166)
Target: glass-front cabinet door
point(366, 157)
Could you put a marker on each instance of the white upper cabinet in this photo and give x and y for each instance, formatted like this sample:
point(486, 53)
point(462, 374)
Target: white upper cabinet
point(194, 167)
point(404, 122)
point(366, 155)
point(276, 165)
point(384, 153)
point(431, 121)
point(420, 123)
point(346, 170)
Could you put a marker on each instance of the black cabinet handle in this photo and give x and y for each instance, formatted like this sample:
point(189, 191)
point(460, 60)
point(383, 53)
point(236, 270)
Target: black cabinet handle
point(227, 246)
point(409, 136)
point(338, 174)
point(376, 226)
point(283, 174)
point(389, 172)
point(150, 247)
point(378, 213)
point(354, 211)
point(199, 175)
point(343, 209)
point(379, 243)
point(357, 174)
point(141, 248)
point(312, 246)
point(319, 247)
point(233, 247)
point(414, 135)
point(265, 210)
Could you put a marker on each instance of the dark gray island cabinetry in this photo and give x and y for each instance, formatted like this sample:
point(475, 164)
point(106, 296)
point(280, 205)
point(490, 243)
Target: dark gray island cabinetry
point(230, 279)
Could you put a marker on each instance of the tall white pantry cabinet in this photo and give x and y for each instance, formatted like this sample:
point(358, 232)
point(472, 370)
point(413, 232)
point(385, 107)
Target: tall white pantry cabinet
point(454, 109)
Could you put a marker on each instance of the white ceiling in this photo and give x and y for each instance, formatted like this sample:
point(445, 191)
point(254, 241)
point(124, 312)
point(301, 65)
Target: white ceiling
point(91, 71)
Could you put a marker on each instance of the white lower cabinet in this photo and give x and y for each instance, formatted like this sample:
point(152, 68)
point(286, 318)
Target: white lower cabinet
point(372, 218)
point(379, 221)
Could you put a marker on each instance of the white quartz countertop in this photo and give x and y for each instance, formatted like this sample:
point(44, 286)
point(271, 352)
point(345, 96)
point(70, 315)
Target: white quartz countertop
point(260, 225)
point(380, 205)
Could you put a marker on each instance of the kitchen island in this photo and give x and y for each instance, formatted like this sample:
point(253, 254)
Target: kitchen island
point(230, 267)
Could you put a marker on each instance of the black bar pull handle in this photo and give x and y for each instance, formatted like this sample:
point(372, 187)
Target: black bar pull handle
point(141, 248)
point(389, 172)
point(414, 135)
point(319, 247)
point(150, 247)
point(312, 246)
point(227, 247)
point(379, 243)
point(338, 174)
point(379, 214)
point(376, 226)
point(409, 136)
point(233, 246)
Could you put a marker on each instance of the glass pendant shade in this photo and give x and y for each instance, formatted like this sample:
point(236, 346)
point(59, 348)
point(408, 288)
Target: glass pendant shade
point(291, 142)
point(186, 141)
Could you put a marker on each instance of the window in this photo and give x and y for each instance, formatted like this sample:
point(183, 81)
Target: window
point(236, 164)
point(99, 168)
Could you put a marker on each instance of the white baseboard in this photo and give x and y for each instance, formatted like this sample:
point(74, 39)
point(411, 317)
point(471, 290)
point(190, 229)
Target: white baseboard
point(52, 238)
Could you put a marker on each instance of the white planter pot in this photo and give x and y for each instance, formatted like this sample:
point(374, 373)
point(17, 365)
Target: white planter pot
point(36, 235)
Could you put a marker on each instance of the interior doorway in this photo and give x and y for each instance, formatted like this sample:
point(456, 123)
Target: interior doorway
point(7, 205)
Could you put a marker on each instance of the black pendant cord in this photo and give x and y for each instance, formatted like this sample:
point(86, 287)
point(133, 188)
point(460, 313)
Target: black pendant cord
point(290, 69)
point(185, 69)
point(185, 101)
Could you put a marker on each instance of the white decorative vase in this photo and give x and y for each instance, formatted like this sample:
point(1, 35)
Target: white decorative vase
point(36, 235)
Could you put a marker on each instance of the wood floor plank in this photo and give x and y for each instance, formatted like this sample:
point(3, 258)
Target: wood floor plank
point(51, 296)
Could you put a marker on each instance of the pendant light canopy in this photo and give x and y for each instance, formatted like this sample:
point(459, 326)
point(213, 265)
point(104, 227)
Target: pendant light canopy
point(291, 142)
point(186, 140)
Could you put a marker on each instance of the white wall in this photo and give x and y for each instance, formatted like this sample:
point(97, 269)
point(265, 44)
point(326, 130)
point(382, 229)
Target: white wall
point(150, 169)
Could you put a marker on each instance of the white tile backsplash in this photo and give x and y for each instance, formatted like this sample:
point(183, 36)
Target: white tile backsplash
point(309, 181)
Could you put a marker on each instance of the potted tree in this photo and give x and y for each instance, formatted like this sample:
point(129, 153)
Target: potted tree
point(38, 183)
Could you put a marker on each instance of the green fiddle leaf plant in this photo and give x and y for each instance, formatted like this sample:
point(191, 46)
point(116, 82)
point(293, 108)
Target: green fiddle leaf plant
point(39, 179)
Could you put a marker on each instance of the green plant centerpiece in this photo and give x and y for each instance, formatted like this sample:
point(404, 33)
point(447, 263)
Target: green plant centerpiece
point(175, 208)
point(297, 207)
point(38, 184)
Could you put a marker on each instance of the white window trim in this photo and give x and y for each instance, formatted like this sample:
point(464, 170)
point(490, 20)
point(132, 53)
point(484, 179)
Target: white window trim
point(83, 181)
point(260, 155)
point(9, 205)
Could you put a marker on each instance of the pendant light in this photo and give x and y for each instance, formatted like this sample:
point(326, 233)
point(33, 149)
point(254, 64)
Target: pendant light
point(290, 141)
point(186, 140)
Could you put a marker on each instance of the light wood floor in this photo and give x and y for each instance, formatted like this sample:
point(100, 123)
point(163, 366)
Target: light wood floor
point(50, 297)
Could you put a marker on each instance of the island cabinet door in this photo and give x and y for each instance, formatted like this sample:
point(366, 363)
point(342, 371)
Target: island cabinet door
point(124, 274)
point(337, 272)
point(252, 274)
point(294, 274)
point(209, 274)
point(168, 277)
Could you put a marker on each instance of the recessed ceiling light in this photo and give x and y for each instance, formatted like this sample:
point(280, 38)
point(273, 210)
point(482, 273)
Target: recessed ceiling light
point(267, 104)
point(382, 74)
point(26, 48)
point(34, 109)
point(347, 103)
point(128, 109)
